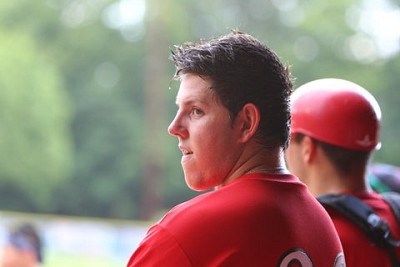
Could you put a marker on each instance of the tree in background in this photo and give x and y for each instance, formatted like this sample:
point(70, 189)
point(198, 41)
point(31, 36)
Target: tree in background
point(35, 140)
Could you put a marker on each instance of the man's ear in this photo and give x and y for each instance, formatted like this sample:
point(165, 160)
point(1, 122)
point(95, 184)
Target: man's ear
point(308, 148)
point(248, 121)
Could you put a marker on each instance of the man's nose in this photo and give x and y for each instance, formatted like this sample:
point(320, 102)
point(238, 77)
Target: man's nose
point(176, 127)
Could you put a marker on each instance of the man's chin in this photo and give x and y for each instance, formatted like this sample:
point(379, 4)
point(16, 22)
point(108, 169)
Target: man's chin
point(195, 185)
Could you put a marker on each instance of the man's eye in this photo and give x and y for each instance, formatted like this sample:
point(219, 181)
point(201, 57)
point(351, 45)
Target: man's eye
point(197, 112)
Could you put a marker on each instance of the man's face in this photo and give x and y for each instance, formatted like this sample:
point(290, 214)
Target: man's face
point(207, 138)
point(294, 160)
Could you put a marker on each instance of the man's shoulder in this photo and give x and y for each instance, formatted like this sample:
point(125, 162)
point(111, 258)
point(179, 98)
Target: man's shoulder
point(248, 198)
point(190, 210)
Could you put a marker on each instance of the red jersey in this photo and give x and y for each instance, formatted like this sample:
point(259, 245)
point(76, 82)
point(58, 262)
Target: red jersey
point(358, 249)
point(257, 220)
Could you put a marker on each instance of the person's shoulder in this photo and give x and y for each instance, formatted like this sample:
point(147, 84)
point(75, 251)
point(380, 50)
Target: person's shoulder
point(377, 201)
point(186, 211)
point(247, 196)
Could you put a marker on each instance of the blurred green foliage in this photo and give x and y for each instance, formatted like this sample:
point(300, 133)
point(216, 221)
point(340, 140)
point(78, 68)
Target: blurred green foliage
point(35, 141)
point(85, 104)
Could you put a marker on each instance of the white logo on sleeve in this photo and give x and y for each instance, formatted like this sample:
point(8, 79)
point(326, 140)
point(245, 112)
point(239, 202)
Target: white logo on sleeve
point(298, 257)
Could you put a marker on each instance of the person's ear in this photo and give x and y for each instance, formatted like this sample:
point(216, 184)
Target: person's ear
point(248, 121)
point(308, 148)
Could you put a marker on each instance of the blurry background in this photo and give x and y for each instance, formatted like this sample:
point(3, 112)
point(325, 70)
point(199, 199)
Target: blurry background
point(86, 92)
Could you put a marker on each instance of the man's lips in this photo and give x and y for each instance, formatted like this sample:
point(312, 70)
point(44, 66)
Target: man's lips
point(185, 151)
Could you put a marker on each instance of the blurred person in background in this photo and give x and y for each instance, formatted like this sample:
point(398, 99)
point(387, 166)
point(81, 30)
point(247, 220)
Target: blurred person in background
point(335, 129)
point(384, 177)
point(23, 247)
point(232, 126)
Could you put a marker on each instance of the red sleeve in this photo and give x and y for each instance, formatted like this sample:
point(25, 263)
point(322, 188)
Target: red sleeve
point(159, 248)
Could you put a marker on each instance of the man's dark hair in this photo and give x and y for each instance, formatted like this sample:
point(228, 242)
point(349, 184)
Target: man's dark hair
point(242, 70)
point(343, 159)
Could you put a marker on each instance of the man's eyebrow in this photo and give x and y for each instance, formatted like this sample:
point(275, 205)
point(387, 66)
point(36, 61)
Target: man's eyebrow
point(191, 101)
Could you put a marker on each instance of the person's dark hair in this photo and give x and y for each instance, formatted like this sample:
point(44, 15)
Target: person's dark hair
point(343, 159)
point(26, 237)
point(242, 70)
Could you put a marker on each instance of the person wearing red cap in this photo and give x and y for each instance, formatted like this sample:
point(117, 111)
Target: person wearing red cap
point(334, 131)
point(232, 125)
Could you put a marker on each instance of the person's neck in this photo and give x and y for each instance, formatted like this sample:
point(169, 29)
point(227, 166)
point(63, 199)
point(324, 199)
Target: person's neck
point(329, 181)
point(263, 161)
point(259, 161)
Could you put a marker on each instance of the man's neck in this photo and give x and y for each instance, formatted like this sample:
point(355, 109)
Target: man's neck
point(329, 181)
point(260, 161)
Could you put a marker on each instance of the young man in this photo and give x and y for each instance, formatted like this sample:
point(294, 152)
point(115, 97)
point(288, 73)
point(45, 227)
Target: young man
point(232, 126)
point(23, 248)
point(335, 129)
